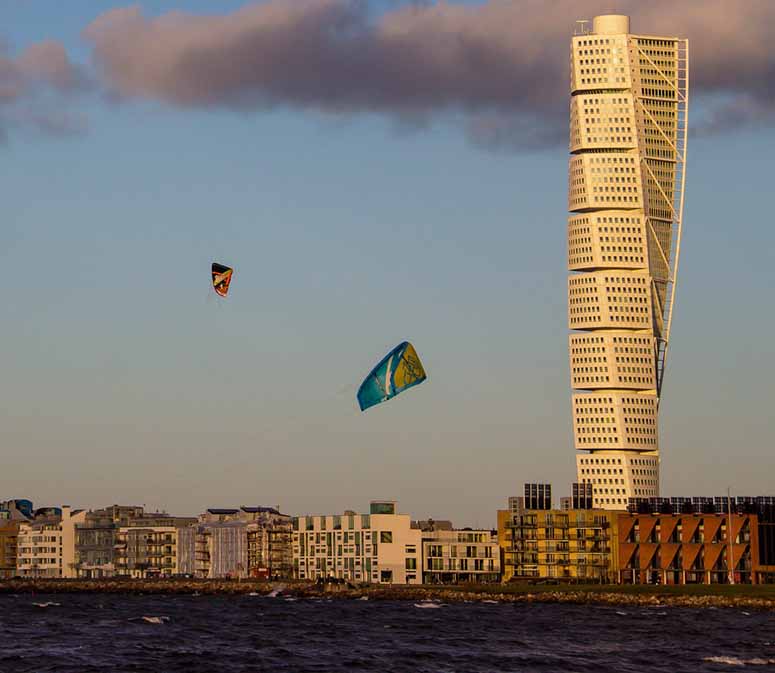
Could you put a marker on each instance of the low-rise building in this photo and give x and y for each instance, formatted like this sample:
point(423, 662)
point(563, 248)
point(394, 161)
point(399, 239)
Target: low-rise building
point(698, 540)
point(458, 556)
point(379, 547)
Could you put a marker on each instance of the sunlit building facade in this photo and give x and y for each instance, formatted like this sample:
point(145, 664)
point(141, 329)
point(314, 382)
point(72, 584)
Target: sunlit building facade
point(380, 547)
point(628, 125)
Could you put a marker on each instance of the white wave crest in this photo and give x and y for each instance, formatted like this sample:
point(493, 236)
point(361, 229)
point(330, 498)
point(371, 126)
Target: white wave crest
point(735, 661)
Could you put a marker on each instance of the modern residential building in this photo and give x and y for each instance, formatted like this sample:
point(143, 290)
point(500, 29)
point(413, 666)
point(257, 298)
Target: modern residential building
point(221, 550)
point(458, 556)
point(46, 545)
point(654, 541)
point(684, 540)
point(254, 541)
point(155, 545)
point(628, 126)
point(379, 547)
point(570, 545)
point(95, 539)
point(270, 549)
point(504, 518)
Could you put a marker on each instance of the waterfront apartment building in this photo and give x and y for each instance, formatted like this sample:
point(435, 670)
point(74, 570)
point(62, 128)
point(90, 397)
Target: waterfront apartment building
point(379, 547)
point(460, 556)
point(221, 550)
point(563, 545)
point(95, 539)
point(244, 541)
point(695, 540)
point(270, 549)
point(628, 126)
point(655, 540)
point(686, 548)
point(46, 545)
point(155, 545)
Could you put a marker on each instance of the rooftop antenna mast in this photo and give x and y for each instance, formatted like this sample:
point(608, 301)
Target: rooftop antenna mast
point(582, 28)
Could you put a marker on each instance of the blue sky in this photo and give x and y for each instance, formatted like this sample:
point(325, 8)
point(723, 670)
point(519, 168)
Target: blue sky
point(125, 380)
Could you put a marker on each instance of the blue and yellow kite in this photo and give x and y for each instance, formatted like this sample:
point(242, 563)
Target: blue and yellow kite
point(398, 370)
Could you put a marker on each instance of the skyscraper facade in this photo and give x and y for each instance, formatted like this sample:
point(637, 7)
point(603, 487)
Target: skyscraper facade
point(628, 125)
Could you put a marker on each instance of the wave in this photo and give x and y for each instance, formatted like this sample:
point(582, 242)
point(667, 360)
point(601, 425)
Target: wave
point(151, 619)
point(734, 661)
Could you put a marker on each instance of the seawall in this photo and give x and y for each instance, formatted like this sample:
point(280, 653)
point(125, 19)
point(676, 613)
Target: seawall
point(696, 596)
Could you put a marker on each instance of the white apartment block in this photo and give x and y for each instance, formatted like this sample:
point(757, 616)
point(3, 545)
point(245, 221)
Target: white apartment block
point(453, 556)
point(626, 177)
point(379, 547)
point(39, 549)
point(46, 547)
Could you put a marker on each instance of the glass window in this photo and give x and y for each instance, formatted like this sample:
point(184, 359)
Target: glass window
point(386, 536)
point(383, 508)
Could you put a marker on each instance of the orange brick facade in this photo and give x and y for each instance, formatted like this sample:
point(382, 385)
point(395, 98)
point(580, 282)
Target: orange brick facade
point(686, 548)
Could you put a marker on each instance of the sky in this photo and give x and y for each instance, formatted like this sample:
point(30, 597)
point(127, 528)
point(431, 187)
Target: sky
point(374, 172)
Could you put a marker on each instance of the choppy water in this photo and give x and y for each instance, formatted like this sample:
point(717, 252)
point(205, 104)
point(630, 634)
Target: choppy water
point(86, 633)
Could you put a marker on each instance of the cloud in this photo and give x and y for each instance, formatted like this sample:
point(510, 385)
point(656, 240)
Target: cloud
point(325, 54)
point(502, 63)
point(35, 88)
point(48, 63)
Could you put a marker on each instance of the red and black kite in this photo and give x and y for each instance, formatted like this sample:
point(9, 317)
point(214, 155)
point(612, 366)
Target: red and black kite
point(221, 278)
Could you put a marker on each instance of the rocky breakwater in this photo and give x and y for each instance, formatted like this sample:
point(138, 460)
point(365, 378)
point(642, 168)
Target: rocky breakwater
point(143, 586)
point(638, 596)
point(620, 598)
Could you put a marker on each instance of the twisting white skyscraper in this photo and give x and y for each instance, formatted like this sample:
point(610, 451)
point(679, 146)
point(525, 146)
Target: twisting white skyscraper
point(628, 124)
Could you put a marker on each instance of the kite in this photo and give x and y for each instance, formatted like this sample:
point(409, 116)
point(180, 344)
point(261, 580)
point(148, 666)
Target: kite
point(398, 370)
point(221, 278)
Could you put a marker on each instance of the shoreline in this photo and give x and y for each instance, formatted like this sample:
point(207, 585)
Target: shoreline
point(761, 597)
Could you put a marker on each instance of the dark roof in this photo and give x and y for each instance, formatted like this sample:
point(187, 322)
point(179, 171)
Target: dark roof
point(258, 510)
point(222, 511)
